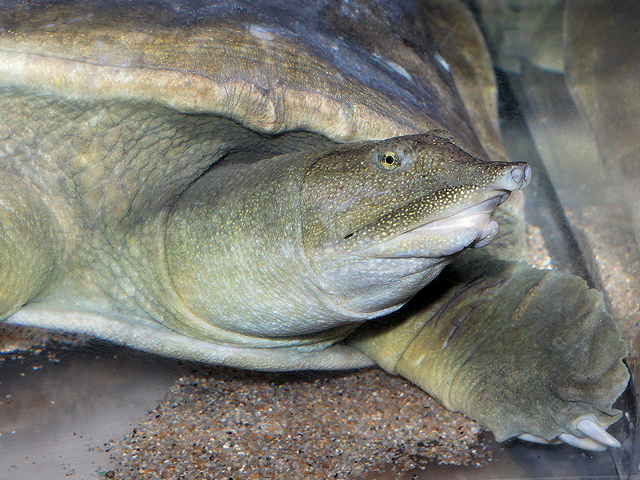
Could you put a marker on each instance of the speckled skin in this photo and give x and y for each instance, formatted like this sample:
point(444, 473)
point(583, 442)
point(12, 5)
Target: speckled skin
point(241, 256)
point(171, 182)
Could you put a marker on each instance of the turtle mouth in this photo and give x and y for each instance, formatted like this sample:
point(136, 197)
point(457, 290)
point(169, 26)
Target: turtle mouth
point(448, 234)
point(476, 217)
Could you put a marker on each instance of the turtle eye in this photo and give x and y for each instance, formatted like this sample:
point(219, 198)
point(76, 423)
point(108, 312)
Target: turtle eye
point(390, 160)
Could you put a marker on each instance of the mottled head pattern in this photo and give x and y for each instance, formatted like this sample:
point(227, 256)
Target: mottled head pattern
point(382, 219)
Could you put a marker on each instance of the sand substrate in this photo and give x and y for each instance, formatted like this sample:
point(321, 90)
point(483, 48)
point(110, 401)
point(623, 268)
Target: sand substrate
point(223, 423)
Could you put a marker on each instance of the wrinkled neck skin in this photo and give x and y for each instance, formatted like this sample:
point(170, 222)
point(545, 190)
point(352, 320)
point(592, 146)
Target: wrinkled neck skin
point(237, 257)
point(235, 253)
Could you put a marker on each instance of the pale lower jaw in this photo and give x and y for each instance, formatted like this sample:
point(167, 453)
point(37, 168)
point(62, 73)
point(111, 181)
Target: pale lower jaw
point(471, 227)
point(477, 216)
point(381, 278)
point(488, 234)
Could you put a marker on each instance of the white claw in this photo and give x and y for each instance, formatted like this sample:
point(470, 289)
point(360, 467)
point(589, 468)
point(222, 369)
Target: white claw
point(592, 429)
point(528, 437)
point(596, 438)
point(583, 443)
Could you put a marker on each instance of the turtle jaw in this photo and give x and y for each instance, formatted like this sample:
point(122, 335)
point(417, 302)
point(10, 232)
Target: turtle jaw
point(438, 233)
point(382, 276)
point(448, 234)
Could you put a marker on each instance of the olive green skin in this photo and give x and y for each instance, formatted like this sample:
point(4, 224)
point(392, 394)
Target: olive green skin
point(171, 182)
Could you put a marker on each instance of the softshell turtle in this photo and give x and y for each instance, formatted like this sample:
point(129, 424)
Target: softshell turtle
point(251, 185)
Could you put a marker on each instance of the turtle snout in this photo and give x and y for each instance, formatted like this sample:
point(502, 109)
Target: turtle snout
point(521, 174)
point(514, 177)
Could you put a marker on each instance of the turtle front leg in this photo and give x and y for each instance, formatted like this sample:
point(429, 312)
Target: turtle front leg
point(525, 352)
point(28, 246)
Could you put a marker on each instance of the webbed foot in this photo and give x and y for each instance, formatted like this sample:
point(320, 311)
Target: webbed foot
point(527, 353)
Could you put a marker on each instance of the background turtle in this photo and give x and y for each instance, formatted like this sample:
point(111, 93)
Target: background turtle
point(171, 181)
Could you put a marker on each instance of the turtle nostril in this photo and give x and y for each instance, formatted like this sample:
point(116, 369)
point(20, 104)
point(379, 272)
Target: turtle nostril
point(517, 174)
point(521, 174)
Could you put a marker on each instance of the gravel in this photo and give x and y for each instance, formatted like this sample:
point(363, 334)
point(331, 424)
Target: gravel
point(221, 423)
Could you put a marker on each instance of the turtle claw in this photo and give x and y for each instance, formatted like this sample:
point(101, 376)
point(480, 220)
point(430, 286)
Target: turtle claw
point(596, 438)
point(583, 443)
point(592, 429)
point(528, 437)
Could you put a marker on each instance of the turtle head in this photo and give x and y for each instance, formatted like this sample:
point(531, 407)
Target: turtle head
point(301, 243)
point(381, 220)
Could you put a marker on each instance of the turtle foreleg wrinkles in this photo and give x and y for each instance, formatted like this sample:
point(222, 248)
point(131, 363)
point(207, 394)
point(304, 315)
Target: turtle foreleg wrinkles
point(520, 350)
